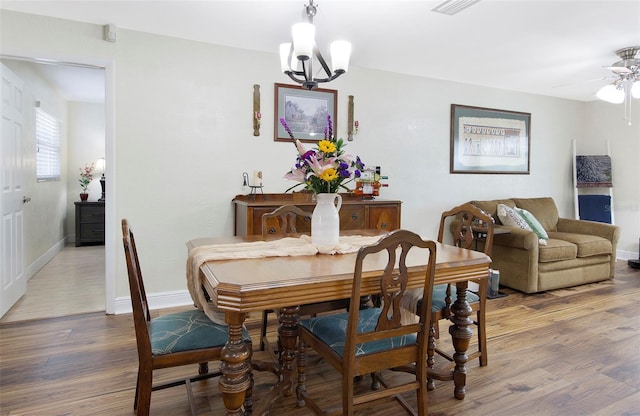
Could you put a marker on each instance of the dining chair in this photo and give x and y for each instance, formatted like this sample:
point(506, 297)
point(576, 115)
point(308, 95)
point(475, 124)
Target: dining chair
point(286, 220)
point(368, 341)
point(471, 228)
point(170, 340)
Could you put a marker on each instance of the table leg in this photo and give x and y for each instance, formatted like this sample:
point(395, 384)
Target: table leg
point(461, 335)
point(288, 338)
point(235, 366)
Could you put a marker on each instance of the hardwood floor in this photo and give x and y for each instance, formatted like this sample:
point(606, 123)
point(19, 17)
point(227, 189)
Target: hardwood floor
point(73, 282)
point(565, 352)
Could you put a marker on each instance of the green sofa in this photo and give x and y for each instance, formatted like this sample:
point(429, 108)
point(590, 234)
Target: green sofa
point(576, 253)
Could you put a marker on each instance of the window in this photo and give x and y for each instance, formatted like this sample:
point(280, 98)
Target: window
point(47, 146)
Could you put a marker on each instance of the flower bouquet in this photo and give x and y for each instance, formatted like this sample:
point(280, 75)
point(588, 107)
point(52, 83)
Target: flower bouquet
point(325, 169)
point(86, 176)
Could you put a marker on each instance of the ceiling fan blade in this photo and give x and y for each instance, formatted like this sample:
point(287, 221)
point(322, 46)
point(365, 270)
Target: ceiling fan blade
point(620, 70)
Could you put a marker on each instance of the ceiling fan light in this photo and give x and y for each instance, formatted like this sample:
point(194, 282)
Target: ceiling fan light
point(303, 40)
point(611, 94)
point(635, 89)
point(340, 52)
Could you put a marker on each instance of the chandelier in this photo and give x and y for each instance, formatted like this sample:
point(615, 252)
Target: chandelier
point(627, 83)
point(296, 58)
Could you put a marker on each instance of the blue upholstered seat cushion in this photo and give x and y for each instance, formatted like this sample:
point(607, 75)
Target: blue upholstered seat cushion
point(440, 293)
point(332, 329)
point(188, 330)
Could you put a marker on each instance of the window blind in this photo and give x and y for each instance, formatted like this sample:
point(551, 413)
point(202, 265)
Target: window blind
point(47, 146)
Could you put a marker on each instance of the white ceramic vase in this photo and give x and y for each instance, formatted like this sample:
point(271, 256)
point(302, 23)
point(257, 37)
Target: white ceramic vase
point(325, 223)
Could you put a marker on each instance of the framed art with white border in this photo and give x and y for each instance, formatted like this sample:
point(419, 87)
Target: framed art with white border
point(305, 112)
point(487, 140)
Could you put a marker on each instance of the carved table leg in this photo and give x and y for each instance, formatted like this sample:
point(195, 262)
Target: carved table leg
point(235, 366)
point(461, 335)
point(288, 333)
point(288, 338)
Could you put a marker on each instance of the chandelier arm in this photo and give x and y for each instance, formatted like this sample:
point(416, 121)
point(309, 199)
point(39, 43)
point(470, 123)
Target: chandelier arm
point(306, 69)
point(320, 59)
point(292, 76)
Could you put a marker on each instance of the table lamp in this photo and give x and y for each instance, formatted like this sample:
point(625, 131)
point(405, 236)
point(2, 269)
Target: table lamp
point(100, 168)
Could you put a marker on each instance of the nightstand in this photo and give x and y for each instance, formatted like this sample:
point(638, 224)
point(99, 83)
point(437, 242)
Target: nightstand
point(89, 223)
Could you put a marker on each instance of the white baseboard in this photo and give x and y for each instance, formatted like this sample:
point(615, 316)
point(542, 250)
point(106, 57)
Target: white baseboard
point(626, 255)
point(45, 258)
point(156, 301)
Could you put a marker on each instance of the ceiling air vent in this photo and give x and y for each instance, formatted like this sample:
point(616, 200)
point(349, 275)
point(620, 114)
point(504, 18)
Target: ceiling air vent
point(452, 7)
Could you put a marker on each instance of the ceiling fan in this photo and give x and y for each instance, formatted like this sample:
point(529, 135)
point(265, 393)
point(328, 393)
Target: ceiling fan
point(626, 82)
point(627, 77)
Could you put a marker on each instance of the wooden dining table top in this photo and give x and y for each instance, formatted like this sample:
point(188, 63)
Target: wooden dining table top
point(256, 284)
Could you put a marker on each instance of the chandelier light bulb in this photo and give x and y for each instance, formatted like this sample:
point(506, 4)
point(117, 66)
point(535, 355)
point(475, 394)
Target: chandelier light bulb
point(285, 48)
point(635, 89)
point(340, 51)
point(304, 35)
point(611, 94)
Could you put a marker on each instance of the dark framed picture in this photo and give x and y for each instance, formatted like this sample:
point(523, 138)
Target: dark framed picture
point(487, 140)
point(305, 112)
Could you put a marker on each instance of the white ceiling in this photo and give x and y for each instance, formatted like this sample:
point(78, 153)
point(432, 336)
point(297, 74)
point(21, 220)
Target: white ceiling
point(556, 48)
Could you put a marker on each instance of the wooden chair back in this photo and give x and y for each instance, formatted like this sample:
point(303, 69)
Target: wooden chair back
point(470, 226)
point(392, 286)
point(286, 219)
point(141, 315)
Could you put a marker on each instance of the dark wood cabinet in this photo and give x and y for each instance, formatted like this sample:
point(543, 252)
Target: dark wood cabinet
point(89, 223)
point(356, 213)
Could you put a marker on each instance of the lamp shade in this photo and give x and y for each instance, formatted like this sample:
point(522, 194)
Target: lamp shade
point(635, 89)
point(611, 94)
point(340, 52)
point(304, 35)
point(100, 165)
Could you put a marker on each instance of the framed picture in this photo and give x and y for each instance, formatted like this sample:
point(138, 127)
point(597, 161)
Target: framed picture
point(486, 140)
point(305, 112)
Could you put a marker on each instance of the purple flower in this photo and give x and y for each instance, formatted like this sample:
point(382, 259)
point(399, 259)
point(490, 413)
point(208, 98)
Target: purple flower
point(286, 127)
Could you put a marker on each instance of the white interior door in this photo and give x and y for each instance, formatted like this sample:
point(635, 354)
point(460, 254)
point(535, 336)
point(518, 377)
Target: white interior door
point(12, 279)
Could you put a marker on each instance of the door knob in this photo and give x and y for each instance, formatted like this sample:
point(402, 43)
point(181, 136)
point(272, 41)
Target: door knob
point(25, 199)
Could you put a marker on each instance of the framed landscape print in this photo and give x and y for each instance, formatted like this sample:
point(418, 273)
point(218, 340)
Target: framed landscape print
point(305, 112)
point(486, 140)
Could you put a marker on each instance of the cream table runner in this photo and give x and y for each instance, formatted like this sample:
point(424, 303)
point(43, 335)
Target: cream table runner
point(288, 246)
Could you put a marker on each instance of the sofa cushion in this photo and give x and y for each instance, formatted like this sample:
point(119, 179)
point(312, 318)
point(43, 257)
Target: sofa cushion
point(533, 223)
point(509, 216)
point(512, 218)
point(544, 209)
point(587, 245)
point(557, 250)
point(491, 207)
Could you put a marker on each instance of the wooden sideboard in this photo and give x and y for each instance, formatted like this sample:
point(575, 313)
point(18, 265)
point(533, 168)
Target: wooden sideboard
point(89, 223)
point(356, 213)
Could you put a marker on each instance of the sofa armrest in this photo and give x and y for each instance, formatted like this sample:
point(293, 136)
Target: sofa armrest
point(516, 238)
point(600, 229)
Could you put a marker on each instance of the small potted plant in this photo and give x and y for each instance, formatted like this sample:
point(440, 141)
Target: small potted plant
point(85, 179)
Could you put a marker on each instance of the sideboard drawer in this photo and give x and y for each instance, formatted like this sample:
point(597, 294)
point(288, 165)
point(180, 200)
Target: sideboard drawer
point(384, 218)
point(352, 217)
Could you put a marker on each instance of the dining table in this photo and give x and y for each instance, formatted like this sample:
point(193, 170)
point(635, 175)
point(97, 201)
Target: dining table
point(238, 286)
